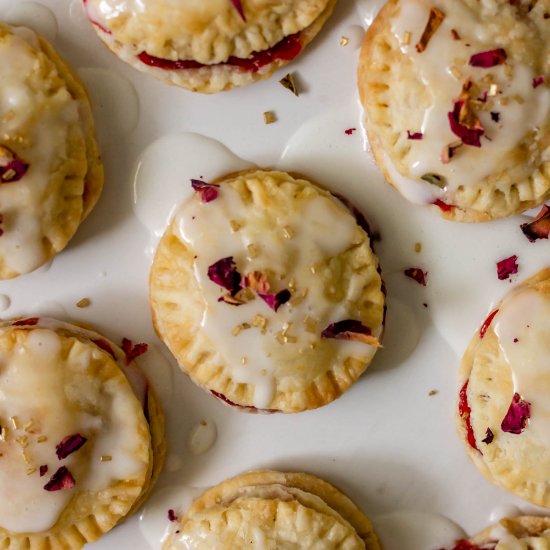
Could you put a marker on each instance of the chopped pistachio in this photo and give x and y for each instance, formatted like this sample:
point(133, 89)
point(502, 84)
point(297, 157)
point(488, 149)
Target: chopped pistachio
point(269, 117)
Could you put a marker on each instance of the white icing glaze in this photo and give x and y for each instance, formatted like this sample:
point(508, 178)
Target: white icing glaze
point(416, 531)
point(504, 511)
point(321, 229)
point(111, 432)
point(435, 66)
point(525, 316)
point(22, 202)
point(34, 15)
point(368, 9)
point(5, 302)
point(202, 437)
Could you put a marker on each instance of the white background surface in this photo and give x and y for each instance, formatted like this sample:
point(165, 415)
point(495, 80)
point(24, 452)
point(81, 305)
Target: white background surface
point(386, 442)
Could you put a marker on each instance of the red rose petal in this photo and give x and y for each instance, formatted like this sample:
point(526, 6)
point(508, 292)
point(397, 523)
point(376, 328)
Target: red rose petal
point(133, 351)
point(224, 273)
point(207, 191)
point(417, 274)
point(222, 397)
point(490, 58)
point(350, 329)
point(414, 135)
point(539, 228)
point(517, 416)
point(43, 470)
point(172, 515)
point(538, 81)
point(238, 6)
point(507, 267)
point(350, 131)
point(465, 411)
point(275, 301)
point(61, 480)
point(30, 322)
point(489, 436)
point(469, 135)
point(69, 445)
point(487, 323)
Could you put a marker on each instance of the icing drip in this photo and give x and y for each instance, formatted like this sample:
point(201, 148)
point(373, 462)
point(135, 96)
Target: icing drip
point(443, 68)
point(321, 230)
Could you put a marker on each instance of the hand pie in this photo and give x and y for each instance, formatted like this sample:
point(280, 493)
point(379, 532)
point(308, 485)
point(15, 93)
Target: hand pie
point(457, 104)
point(504, 407)
point(266, 290)
point(81, 434)
point(208, 46)
point(275, 511)
point(50, 170)
point(521, 533)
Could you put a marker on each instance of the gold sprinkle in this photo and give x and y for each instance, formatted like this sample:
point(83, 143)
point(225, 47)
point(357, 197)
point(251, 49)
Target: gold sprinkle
point(519, 99)
point(259, 321)
point(313, 269)
point(310, 324)
point(508, 70)
point(493, 90)
point(290, 339)
point(432, 392)
point(504, 100)
point(9, 174)
point(237, 330)
point(418, 248)
point(288, 233)
point(344, 41)
point(406, 38)
point(23, 441)
point(25, 458)
point(235, 226)
point(30, 471)
point(270, 117)
point(28, 424)
point(313, 345)
point(3, 434)
point(42, 439)
point(457, 73)
point(85, 302)
point(14, 422)
point(244, 360)
point(252, 250)
point(105, 458)
point(292, 285)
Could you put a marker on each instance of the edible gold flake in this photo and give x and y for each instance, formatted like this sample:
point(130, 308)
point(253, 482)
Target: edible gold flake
point(3, 434)
point(25, 458)
point(244, 360)
point(310, 324)
point(14, 423)
point(85, 302)
point(252, 250)
point(28, 424)
point(457, 73)
point(406, 38)
point(344, 41)
point(23, 441)
point(105, 458)
point(270, 117)
point(235, 226)
point(493, 90)
point(42, 439)
point(288, 233)
point(418, 248)
point(30, 471)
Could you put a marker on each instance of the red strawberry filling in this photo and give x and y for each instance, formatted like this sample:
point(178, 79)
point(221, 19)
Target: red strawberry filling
point(286, 50)
point(222, 397)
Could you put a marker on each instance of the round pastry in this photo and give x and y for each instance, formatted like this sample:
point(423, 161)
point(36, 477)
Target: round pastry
point(504, 407)
point(51, 174)
point(208, 46)
point(81, 434)
point(266, 290)
point(457, 104)
point(273, 510)
point(521, 533)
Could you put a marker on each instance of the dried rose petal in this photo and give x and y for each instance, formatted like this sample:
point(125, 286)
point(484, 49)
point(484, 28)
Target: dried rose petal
point(231, 300)
point(435, 19)
point(105, 346)
point(172, 515)
point(12, 168)
point(483, 97)
point(464, 544)
point(61, 480)
point(238, 6)
point(487, 323)
point(507, 267)
point(207, 191)
point(350, 131)
point(257, 282)
point(465, 124)
point(489, 436)
point(449, 151)
point(350, 329)
point(43, 470)
point(539, 228)
point(455, 35)
point(538, 81)
point(30, 322)
point(516, 418)
point(488, 59)
point(465, 411)
point(250, 408)
point(275, 301)
point(132, 351)
point(69, 445)
point(495, 116)
point(417, 274)
point(414, 135)
point(224, 273)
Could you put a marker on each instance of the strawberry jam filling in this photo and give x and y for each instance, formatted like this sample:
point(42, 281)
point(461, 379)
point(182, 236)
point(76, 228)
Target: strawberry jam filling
point(465, 411)
point(286, 50)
